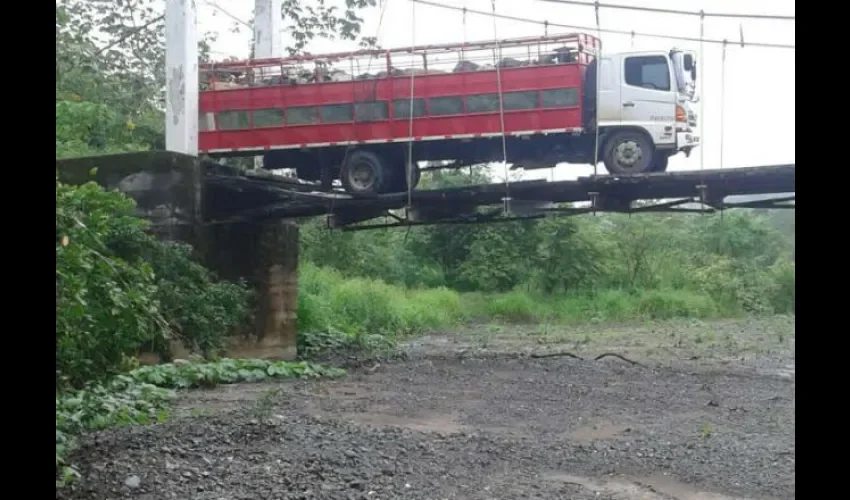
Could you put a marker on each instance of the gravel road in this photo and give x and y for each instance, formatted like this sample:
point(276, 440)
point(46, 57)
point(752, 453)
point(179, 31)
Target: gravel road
point(706, 414)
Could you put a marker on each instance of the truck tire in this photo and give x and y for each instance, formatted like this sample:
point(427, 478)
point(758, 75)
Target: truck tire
point(363, 173)
point(628, 152)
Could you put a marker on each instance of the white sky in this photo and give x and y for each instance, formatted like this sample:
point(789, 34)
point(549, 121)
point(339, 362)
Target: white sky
point(760, 91)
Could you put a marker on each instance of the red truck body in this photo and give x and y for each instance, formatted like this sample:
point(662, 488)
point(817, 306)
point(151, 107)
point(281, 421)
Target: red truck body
point(253, 116)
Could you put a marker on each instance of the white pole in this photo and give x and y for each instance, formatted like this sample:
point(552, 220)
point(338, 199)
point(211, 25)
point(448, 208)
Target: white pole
point(181, 77)
point(267, 23)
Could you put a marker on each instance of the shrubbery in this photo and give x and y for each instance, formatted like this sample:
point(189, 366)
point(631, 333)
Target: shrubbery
point(118, 289)
point(141, 396)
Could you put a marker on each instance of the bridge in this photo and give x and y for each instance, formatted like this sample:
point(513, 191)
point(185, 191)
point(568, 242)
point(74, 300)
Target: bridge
point(243, 224)
point(256, 197)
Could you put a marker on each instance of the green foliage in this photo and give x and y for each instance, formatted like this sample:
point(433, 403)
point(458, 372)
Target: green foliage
point(106, 307)
point(118, 288)
point(141, 396)
point(198, 309)
point(328, 301)
point(610, 266)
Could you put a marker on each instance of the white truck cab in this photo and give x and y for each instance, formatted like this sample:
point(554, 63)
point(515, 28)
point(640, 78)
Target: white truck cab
point(646, 96)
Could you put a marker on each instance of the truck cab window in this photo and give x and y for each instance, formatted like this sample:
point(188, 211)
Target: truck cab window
point(649, 72)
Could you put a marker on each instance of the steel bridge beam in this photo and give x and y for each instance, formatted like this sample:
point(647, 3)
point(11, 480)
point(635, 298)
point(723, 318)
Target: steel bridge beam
point(263, 198)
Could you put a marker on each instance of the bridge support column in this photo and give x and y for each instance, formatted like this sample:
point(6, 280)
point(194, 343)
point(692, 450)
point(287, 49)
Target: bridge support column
point(266, 256)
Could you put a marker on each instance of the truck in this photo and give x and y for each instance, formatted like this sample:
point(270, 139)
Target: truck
point(368, 118)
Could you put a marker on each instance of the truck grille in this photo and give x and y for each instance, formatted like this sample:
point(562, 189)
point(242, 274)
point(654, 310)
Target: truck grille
point(692, 119)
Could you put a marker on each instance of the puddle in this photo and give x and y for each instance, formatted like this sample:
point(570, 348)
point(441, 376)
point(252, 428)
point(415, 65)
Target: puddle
point(655, 487)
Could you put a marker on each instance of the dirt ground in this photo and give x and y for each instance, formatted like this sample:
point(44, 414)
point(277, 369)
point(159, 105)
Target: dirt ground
point(706, 413)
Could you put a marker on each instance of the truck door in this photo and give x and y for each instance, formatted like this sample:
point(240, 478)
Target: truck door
point(610, 112)
point(648, 96)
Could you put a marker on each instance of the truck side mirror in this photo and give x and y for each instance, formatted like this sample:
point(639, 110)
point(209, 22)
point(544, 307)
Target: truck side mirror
point(688, 62)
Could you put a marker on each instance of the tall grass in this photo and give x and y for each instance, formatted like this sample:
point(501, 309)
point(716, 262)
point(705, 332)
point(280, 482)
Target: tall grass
point(330, 302)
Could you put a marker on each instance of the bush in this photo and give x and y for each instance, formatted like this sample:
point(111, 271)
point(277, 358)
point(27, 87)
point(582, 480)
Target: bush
point(514, 306)
point(667, 304)
point(118, 289)
point(106, 307)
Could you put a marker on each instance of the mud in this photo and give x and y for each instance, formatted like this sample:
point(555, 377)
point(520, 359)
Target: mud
point(464, 418)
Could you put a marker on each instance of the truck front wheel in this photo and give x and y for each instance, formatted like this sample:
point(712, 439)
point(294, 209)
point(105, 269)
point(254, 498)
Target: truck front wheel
point(628, 152)
point(364, 173)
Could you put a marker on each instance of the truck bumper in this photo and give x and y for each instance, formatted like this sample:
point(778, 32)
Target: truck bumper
point(687, 140)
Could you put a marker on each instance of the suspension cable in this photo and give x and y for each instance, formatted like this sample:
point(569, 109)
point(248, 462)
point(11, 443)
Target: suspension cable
point(409, 164)
point(607, 30)
point(701, 64)
point(501, 107)
point(546, 33)
point(462, 60)
point(702, 97)
point(656, 10)
point(597, 91)
point(722, 99)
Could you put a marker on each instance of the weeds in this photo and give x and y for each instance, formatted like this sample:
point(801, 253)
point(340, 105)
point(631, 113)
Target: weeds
point(142, 396)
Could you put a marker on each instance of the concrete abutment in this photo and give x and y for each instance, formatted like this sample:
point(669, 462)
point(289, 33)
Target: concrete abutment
point(169, 191)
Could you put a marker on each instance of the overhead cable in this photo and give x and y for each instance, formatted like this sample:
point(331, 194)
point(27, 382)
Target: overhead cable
point(610, 31)
point(657, 10)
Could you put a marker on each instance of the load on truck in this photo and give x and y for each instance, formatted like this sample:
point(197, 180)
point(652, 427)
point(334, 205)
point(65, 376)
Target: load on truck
point(362, 117)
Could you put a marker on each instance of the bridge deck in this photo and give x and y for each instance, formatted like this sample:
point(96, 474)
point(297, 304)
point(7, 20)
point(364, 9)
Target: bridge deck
point(244, 196)
point(225, 195)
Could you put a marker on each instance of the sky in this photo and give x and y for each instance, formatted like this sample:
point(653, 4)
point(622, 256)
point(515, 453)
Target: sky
point(758, 98)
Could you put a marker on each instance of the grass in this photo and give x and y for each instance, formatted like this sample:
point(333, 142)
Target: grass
point(358, 307)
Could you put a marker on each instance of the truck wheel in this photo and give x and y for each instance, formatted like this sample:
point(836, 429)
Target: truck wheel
point(659, 162)
point(363, 173)
point(628, 152)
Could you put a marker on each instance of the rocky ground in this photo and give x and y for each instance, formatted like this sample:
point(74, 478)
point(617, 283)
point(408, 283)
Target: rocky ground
point(706, 413)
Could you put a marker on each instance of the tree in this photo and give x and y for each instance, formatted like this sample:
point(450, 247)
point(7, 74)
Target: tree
point(112, 53)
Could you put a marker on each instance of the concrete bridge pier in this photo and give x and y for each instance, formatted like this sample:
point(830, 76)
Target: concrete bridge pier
point(170, 191)
point(265, 254)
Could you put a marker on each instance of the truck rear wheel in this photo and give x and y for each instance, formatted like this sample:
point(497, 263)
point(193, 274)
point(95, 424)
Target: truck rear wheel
point(364, 173)
point(628, 152)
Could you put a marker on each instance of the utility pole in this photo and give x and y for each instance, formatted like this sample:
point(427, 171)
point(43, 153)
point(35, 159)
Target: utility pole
point(181, 77)
point(267, 22)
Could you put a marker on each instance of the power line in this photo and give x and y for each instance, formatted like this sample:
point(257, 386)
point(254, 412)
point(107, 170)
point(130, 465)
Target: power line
point(615, 32)
point(657, 10)
point(219, 8)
